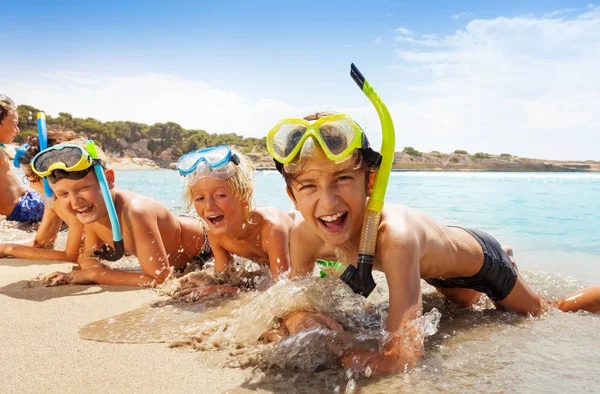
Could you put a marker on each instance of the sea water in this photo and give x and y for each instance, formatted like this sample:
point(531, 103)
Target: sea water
point(552, 222)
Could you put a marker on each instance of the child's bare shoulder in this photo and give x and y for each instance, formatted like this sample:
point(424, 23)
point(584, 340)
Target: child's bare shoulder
point(137, 206)
point(274, 219)
point(400, 225)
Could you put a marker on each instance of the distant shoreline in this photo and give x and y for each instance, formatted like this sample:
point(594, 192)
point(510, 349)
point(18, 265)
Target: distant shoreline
point(407, 160)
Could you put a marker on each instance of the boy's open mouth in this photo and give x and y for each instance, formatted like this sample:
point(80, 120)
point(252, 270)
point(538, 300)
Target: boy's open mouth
point(334, 222)
point(84, 210)
point(215, 219)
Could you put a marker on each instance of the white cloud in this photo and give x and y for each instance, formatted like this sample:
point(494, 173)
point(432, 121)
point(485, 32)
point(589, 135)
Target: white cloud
point(559, 12)
point(404, 31)
point(150, 98)
point(461, 15)
point(524, 85)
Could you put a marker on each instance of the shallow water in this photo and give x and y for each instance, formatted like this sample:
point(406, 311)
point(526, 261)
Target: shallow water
point(480, 350)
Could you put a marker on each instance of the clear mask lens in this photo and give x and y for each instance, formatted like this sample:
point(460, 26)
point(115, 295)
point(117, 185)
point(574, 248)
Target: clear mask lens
point(312, 157)
point(204, 170)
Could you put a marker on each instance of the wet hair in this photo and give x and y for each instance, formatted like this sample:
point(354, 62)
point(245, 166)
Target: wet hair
point(360, 163)
point(241, 183)
point(6, 105)
point(56, 135)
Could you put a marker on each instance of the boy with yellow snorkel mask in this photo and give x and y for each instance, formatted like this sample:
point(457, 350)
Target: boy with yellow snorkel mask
point(54, 215)
point(328, 172)
point(115, 221)
point(219, 184)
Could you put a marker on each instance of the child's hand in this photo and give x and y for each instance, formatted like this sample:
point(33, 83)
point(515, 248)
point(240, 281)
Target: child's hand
point(303, 321)
point(190, 280)
point(197, 293)
point(4, 250)
point(57, 278)
point(75, 277)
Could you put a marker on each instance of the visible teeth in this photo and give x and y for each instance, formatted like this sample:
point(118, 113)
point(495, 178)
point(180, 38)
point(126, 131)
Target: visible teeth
point(213, 216)
point(332, 217)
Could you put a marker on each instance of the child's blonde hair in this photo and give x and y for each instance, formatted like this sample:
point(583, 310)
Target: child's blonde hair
point(241, 184)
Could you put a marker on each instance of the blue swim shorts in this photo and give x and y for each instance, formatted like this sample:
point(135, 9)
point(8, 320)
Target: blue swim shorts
point(29, 208)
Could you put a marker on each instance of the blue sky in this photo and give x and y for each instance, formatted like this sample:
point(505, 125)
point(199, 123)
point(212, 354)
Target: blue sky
point(509, 76)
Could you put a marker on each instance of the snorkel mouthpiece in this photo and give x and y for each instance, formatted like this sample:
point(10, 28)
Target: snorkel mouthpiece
point(107, 253)
point(368, 238)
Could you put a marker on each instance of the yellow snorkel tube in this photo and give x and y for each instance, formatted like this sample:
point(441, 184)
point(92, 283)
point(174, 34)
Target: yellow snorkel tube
point(368, 237)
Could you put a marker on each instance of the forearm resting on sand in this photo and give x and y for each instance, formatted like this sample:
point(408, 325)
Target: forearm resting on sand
point(34, 253)
point(101, 276)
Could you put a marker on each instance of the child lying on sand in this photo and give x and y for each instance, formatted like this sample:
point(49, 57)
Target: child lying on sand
point(219, 185)
point(54, 215)
point(461, 263)
point(150, 231)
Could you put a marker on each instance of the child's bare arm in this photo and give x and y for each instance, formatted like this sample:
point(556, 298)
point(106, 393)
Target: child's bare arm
point(45, 235)
point(75, 239)
point(32, 253)
point(223, 259)
point(405, 345)
point(49, 227)
point(152, 257)
point(276, 244)
point(305, 248)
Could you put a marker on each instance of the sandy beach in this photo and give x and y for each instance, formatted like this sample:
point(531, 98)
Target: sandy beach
point(43, 351)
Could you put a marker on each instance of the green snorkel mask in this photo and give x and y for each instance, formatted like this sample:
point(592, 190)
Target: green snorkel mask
point(73, 162)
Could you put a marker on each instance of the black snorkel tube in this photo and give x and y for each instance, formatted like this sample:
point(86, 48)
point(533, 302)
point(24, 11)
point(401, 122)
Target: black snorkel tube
point(107, 253)
point(368, 238)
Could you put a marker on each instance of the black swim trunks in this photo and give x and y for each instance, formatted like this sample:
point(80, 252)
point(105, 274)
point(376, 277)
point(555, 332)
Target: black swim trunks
point(497, 276)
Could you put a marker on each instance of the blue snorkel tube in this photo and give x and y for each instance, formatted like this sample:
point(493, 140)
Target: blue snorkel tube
point(43, 143)
point(107, 253)
point(21, 151)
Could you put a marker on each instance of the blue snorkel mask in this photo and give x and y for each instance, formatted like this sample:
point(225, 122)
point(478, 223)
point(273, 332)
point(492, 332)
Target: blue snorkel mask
point(217, 162)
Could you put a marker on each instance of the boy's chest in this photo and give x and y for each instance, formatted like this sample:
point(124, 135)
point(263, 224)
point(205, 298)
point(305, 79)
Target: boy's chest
point(248, 250)
point(106, 236)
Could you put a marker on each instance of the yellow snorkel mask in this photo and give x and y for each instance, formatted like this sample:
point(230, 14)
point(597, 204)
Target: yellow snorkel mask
point(333, 139)
point(69, 161)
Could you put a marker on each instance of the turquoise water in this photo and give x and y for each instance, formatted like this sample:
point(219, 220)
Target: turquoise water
point(552, 220)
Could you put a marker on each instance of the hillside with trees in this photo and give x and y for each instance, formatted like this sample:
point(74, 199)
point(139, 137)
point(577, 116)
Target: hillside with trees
point(164, 143)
